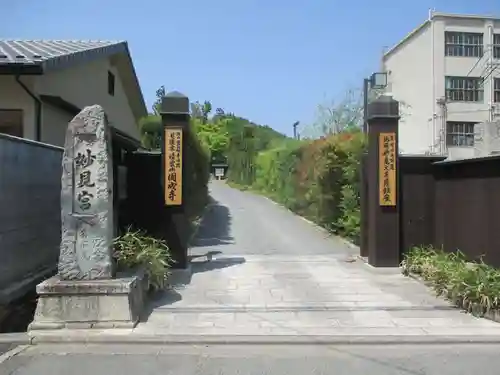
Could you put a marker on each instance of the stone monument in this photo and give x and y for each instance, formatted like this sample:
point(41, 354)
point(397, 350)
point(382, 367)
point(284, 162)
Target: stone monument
point(85, 293)
point(86, 199)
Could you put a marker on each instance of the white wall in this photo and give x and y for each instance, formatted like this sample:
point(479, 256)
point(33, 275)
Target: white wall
point(417, 71)
point(85, 85)
point(13, 96)
point(409, 71)
point(461, 66)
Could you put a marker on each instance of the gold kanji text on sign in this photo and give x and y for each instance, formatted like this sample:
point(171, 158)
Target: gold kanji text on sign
point(387, 169)
point(173, 167)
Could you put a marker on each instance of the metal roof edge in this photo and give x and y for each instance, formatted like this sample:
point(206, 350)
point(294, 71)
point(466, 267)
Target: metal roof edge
point(71, 59)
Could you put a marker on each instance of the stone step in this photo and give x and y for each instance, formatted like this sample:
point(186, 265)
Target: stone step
point(329, 306)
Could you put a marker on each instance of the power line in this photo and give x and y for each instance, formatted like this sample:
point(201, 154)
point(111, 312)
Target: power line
point(488, 49)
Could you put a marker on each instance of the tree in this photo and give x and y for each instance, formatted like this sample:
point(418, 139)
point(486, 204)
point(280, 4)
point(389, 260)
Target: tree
point(214, 136)
point(332, 118)
point(150, 128)
point(196, 110)
point(347, 115)
point(160, 93)
point(206, 109)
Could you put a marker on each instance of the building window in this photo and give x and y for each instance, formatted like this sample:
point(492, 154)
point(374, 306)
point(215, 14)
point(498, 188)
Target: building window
point(464, 89)
point(496, 46)
point(463, 44)
point(11, 122)
point(111, 84)
point(460, 133)
point(496, 90)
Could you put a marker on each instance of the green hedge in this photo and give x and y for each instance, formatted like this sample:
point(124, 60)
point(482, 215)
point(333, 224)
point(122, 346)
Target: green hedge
point(316, 179)
point(472, 286)
point(196, 175)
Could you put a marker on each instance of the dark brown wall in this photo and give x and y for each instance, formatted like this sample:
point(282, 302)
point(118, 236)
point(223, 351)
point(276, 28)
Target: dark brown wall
point(468, 207)
point(451, 205)
point(417, 201)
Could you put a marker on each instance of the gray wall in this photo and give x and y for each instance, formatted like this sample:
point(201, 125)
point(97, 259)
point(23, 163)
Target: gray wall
point(30, 180)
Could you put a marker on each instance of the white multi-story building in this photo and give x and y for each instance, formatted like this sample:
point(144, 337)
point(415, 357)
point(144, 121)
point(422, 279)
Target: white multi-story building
point(446, 75)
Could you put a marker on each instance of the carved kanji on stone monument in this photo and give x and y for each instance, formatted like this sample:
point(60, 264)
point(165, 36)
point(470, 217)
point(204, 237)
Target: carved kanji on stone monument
point(86, 198)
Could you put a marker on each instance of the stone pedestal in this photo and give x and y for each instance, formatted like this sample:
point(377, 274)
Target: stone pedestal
point(84, 304)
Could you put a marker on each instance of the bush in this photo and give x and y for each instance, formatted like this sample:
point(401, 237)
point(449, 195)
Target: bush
point(317, 179)
point(196, 175)
point(135, 249)
point(472, 286)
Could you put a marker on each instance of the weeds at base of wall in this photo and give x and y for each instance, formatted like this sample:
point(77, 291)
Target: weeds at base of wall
point(473, 287)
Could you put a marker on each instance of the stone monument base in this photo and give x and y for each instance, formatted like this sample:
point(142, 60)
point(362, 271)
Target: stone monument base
point(74, 304)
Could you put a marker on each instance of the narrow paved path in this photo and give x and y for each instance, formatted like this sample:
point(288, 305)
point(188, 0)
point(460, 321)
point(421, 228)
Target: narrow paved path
point(273, 273)
point(243, 223)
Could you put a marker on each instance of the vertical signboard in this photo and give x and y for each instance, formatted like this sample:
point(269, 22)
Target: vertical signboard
point(387, 169)
point(173, 166)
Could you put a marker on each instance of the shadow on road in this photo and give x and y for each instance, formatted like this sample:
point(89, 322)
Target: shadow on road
point(179, 280)
point(216, 264)
point(215, 227)
point(214, 231)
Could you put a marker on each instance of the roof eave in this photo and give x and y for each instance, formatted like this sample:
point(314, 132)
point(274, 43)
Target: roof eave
point(407, 38)
point(428, 22)
point(21, 69)
point(142, 109)
point(465, 16)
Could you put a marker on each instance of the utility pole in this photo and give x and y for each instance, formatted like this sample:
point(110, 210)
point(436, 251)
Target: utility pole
point(366, 90)
point(295, 124)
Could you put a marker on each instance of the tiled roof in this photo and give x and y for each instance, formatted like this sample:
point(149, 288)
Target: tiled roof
point(53, 54)
point(40, 56)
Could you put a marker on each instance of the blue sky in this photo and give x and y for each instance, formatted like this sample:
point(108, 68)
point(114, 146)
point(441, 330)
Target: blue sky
point(272, 61)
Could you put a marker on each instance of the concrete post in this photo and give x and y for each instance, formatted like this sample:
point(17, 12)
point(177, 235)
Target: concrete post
point(383, 184)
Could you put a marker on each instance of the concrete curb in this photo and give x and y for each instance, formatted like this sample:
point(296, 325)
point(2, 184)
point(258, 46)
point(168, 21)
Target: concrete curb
point(264, 339)
point(12, 353)
point(15, 338)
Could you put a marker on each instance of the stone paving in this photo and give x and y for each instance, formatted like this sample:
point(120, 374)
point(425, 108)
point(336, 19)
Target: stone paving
point(305, 296)
point(260, 271)
point(269, 272)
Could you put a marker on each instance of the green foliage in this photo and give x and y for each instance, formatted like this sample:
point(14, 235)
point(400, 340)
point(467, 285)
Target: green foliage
point(472, 286)
point(151, 128)
point(196, 174)
point(246, 140)
point(317, 179)
point(213, 136)
point(160, 93)
point(241, 155)
point(136, 249)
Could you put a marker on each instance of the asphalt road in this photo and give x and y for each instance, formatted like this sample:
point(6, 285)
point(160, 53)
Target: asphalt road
point(244, 223)
point(255, 360)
